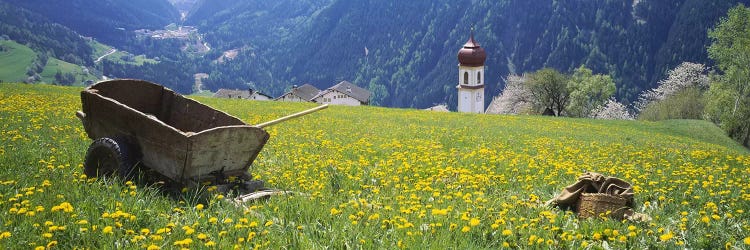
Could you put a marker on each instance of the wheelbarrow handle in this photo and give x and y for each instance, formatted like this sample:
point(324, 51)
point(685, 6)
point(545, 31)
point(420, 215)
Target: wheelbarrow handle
point(292, 116)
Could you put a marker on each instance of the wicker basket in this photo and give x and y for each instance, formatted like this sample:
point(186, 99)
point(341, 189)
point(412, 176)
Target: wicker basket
point(596, 204)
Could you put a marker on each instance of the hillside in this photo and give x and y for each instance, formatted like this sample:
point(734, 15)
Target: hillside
point(42, 35)
point(17, 59)
point(107, 20)
point(380, 178)
point(412, 44)
point(14, 58)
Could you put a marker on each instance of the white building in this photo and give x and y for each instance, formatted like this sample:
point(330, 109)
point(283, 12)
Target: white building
point(471, 77)
point(344, 93)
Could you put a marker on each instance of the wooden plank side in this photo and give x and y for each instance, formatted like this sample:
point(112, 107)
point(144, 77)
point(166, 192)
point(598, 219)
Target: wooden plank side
point(231, 148)
point(191, 116)
point(163, 148)
point(137, 94)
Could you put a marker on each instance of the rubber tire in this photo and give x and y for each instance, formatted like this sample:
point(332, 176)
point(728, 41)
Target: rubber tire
point(108, 156)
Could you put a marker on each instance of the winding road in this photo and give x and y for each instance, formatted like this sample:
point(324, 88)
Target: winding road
point(111, 51)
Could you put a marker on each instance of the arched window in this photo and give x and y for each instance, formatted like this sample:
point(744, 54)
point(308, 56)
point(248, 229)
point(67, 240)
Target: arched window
point(479, 77)
point(466, 78)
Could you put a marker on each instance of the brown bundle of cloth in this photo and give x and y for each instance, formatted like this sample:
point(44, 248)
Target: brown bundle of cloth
point(591, 182)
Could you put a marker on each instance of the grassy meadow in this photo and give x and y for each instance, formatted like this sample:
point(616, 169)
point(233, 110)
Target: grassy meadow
point(54, 64)
point(14, 60)
point(379, 178)
point(17, 57)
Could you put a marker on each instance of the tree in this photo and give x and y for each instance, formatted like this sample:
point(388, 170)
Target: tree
point(612, 110)
point(58, 76)
point(549, 89)
point(686, 75)
point(588, 91)
point(689, 103)
point(729, 95)
point(515, 98)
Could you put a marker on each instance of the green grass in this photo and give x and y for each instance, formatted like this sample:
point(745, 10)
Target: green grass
point(378, 178)
point(54, 64)
point(137, 60)
point(15, 59)
point(699, 130)
point(100, 49)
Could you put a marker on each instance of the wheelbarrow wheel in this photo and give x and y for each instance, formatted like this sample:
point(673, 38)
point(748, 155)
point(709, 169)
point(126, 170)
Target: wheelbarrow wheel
point(107, 157)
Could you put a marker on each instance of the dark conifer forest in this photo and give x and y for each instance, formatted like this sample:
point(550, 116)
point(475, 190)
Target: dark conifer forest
point(402, 51)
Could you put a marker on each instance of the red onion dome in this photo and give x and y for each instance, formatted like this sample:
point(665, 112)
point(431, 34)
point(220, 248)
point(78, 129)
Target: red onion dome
point(471, 54)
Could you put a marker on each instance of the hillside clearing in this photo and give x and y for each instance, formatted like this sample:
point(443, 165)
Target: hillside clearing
point(15, 58)
point(54, 65)
point(379, 178)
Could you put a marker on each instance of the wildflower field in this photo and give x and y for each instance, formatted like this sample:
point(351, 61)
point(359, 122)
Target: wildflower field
point(379, 178)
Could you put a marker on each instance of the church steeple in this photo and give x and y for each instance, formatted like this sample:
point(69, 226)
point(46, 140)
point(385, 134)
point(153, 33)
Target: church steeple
point(470, 87)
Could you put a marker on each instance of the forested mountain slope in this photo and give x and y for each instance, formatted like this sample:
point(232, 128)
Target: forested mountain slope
point(403, 51)
point(412, 44)
point(107, 20)
point(42, 35)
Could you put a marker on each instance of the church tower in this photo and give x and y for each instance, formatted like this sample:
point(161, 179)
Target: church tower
point(471, 77)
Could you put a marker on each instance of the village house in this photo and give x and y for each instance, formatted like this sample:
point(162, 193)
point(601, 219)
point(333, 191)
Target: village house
point(249, 94)
point(344, 93)
point(304, 93)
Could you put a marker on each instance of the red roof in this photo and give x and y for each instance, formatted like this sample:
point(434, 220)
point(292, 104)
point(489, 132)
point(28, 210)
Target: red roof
point(471, 54)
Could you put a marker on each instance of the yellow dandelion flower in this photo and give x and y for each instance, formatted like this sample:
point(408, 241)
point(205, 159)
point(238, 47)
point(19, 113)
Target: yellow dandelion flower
point(183, 243)
point(268, 223)
point(153, 247)
point(465, 229)
point(507, 232)
point(474, 222)
point(597, 236)
point(335, 211)
point(666, 237)
point(107, 230)
point(202, 236)
point(746, 240)
point(436, 211)
point(188, 230)
point(5, 234)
